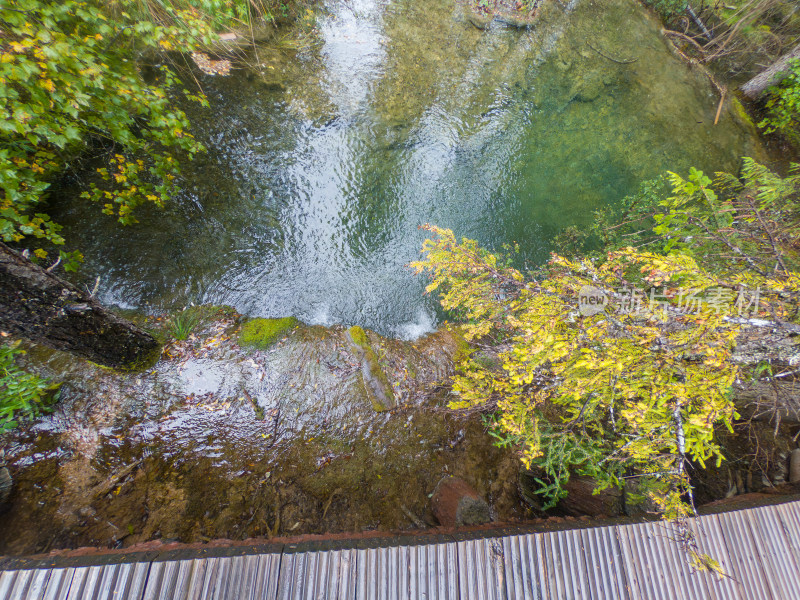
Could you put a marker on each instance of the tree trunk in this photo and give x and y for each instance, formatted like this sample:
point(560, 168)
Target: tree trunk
point(770, 76)
point(43, 308)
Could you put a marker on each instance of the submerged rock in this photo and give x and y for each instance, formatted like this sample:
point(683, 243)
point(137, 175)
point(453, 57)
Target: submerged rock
point(589, 87)
point(516, 21)
point(479, 20)
point(456, 503)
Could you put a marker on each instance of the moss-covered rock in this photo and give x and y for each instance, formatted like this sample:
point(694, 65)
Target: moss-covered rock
point(359, 337)
point(376, 383)
point(741, 112)
point(262, 333)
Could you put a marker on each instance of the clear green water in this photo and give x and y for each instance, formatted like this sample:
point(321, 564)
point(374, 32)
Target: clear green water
point(322, 163)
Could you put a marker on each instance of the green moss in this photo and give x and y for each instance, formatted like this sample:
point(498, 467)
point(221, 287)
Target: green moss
point(376, 383)
point(146, 361)
point(359, 336)
point(261, 333)
point(741, 112)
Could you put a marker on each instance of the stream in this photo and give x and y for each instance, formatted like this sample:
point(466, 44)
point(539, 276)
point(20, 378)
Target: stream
point(325, 155)
point(323, 162)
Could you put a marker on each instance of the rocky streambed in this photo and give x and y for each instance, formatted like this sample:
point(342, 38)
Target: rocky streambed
point(224, 441)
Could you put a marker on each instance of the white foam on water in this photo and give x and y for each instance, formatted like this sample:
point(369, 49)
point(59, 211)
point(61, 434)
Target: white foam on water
point(321, 316)
point(424, 323)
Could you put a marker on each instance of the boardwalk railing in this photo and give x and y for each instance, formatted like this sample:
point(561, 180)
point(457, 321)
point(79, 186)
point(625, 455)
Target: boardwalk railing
point(759, 549)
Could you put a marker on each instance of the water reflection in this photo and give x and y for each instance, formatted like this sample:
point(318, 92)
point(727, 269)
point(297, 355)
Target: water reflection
point(324, 162)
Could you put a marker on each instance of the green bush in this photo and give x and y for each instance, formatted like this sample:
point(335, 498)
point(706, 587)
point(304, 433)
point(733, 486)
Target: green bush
point(22, 394)
point(220, 14)
point(71, 72)
point(668, 8)
point(783, 105)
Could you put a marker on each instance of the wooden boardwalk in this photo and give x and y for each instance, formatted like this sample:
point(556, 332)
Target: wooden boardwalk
point(759, 548)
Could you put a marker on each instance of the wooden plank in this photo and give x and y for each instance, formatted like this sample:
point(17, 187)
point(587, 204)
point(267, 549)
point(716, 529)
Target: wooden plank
point(603, 559)
point(18, 590)
point(38, 584)
point(710, 540)
point(746, 561)
point(576, 567)
point(83, 584)
point(267, 572)
point(759, 548)
point(196, 580)
point(137, 581)
point(58, 584)
point(7, 579)
point(211, 579)
point(286, 581)
point(775, 550)
point(155, 579)
point(247, 582)
point(520, 562)
point(6, 582)
point(481, 569)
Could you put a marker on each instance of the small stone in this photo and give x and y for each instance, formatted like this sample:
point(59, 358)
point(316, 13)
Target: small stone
point(563, 66)
point(456, 503)
point(794, 466)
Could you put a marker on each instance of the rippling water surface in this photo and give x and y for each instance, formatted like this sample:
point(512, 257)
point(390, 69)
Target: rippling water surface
point(323, 162)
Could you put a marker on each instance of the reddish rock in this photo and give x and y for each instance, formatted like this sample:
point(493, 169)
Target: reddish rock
point(456, 503)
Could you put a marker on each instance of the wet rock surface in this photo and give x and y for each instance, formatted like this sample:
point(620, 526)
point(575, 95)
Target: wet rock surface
point(218, 441)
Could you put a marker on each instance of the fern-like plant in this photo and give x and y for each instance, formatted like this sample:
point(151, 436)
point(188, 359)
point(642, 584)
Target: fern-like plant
point(23, 395)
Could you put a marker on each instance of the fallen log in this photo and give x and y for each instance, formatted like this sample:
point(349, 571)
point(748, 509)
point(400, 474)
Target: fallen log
point(772, 75)
point(43, 308)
